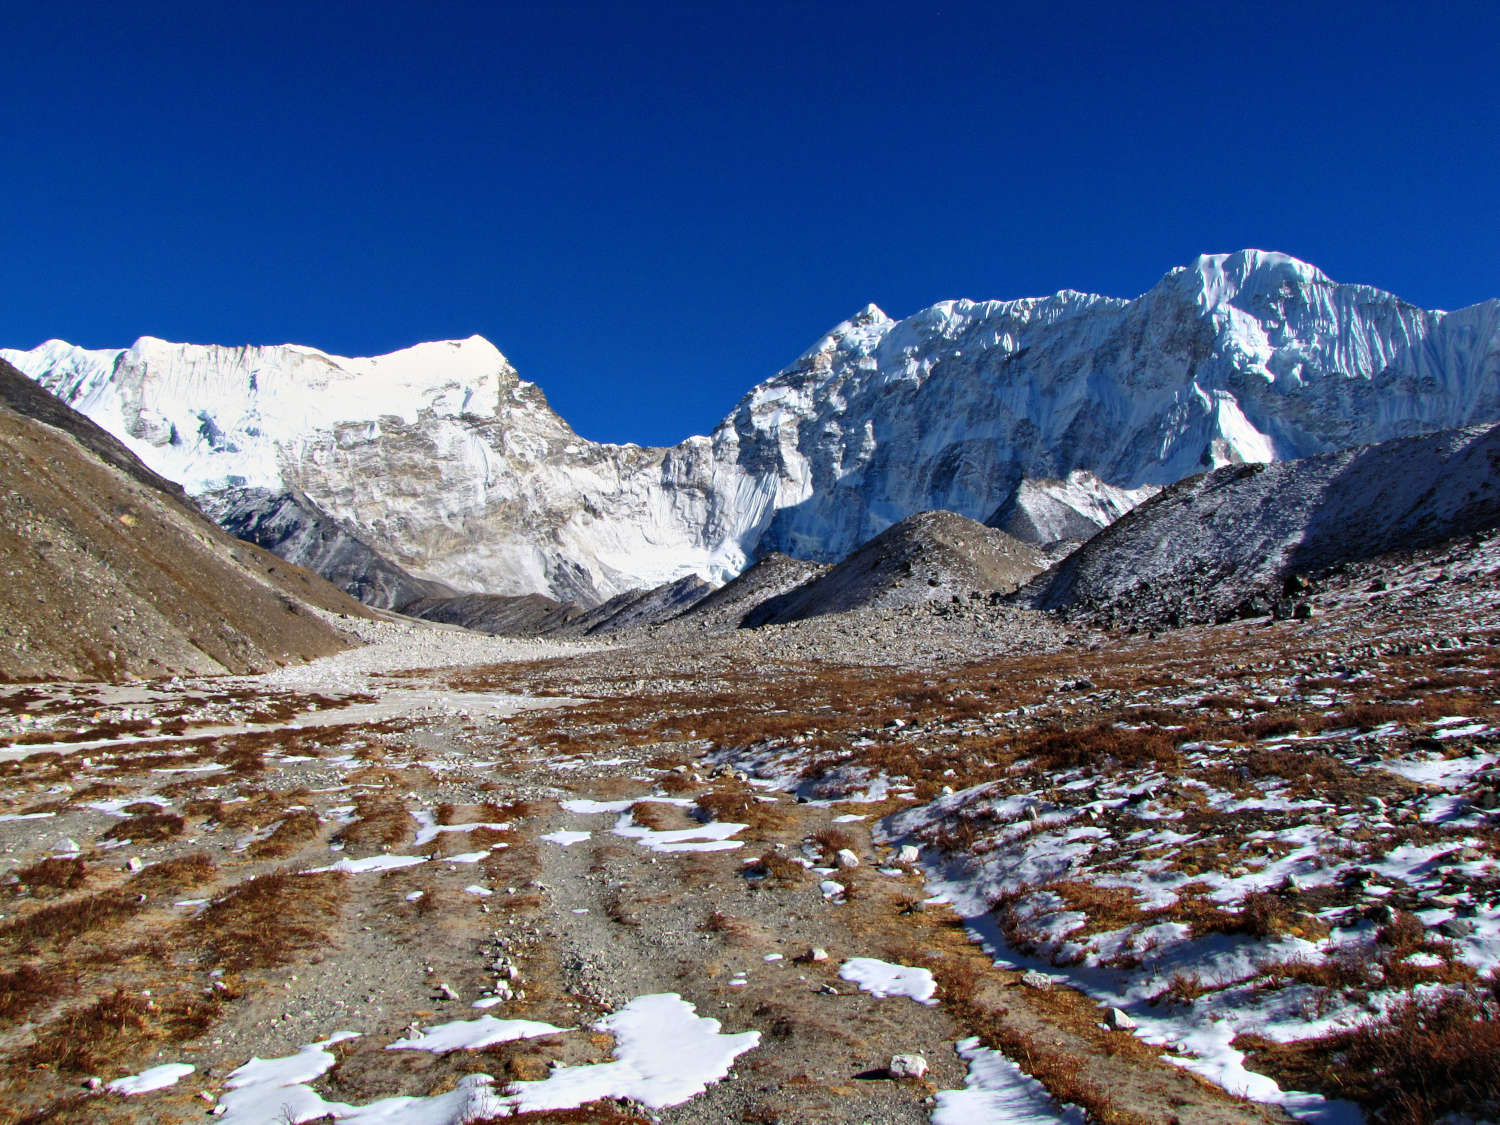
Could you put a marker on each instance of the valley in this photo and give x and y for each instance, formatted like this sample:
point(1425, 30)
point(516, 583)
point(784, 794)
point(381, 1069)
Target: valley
point(1213, 874)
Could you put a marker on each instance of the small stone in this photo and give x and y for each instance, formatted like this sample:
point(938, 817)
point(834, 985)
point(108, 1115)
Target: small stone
point(1040, 981)
point(846, 858)
point(92, 1083)
point(817, 953)
point(134, 864)
point(907, 1066)
point(909, 853)
point(1456, 928)
point(1119, 1020)
point(445, 991)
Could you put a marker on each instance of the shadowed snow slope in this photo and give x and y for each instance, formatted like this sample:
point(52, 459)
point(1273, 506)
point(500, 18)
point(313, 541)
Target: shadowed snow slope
point(444, 461)
point(112, 573)
point(1198, 550)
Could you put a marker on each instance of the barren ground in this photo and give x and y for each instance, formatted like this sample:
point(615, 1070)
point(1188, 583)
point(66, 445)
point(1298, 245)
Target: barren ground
point(160, 847)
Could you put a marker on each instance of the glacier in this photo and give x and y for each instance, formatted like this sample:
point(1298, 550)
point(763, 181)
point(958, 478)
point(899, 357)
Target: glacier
point(1048, 416)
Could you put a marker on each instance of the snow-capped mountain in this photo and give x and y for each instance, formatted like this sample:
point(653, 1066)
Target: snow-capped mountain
point(1049, 416)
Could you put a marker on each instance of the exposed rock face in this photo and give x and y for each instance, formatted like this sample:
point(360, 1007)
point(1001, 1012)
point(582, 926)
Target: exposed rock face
point(443, 460)
point(931, 556)
point(290, 525)
point(1209, 546)
point(112, 573)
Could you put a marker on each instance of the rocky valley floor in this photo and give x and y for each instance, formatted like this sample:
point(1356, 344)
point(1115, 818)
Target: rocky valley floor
point(1242, 873)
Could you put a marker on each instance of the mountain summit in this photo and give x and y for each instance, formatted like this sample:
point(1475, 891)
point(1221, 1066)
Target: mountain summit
point(1050, 415)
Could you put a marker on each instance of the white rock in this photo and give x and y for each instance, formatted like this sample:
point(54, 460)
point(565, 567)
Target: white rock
point(846, 858)
point(1119, 1020)
point(817, 953)
point(908, 854)
point(907, 1066)
point(1033, 979)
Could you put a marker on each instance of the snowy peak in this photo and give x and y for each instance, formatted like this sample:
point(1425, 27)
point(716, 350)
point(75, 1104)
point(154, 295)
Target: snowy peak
point(1053, 414)
point(1222, 277)
point(213, 417)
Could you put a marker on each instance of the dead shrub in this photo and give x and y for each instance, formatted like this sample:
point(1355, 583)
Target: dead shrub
point(1405, 933)
point(731, 927)
point(831, 841)
point(1183, 988)
point(777, 870)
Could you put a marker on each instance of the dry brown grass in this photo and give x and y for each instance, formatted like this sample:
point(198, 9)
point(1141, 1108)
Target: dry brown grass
point(88, 1037)
point(740, 806)
point(177, 874)
point(115, 1027)
point(24, 987)
point(382, 824)
point(1059, 1070)
point(300, 826)
point(58, 925)
point(53, 874)
point(677, 784)
point(1422, 1061)
point(271, 919)
point(147, 827)
point(658, 816)
point(1102, 747)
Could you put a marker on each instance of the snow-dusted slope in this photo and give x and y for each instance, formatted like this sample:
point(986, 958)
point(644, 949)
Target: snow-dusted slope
point(1050, 413)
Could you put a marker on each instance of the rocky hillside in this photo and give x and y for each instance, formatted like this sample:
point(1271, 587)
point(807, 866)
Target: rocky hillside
point(931, 556)
point(1234, 542)
point(1048, 415)
point(111, 573)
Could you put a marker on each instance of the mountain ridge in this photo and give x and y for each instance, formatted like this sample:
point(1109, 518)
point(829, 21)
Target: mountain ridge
point(470, 479)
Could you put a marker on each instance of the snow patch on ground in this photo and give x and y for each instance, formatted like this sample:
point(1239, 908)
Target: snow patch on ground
point(882, 978)
point(665, 1053)
point(997, 1090)
point(153, 1078)
point(463, 1035)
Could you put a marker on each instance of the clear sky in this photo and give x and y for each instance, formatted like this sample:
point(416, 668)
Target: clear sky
point(650, 208)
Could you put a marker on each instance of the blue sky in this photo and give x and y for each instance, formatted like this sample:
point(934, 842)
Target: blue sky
point(649, 208)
